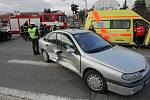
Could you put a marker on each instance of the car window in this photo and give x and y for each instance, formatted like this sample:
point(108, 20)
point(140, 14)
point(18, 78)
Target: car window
point(52, 38)
point(64, 41)
point(46, 37)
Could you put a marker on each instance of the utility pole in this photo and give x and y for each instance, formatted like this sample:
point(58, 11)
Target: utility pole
point(125, 5)
point(85, 9)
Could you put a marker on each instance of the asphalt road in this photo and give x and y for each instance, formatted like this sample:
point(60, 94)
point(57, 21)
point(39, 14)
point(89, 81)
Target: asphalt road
point(36, 76)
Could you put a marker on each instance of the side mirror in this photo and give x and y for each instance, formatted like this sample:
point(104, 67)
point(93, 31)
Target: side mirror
point(70, 50)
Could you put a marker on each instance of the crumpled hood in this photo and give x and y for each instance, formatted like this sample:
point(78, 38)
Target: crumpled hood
point(120, 58)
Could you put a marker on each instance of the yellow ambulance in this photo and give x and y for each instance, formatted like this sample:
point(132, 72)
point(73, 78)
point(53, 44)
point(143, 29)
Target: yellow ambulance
point(119, 25)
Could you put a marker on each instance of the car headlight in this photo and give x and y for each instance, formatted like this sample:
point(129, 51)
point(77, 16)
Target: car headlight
point(131, 76)
point(146, 64)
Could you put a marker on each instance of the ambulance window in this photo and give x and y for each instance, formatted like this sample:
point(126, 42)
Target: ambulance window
point(94, 23)
point(125, 24)
point(105, 23)
point(120, 24)
point(115, 24)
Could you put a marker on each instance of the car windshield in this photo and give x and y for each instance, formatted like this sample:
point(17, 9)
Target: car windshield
point(91, 42)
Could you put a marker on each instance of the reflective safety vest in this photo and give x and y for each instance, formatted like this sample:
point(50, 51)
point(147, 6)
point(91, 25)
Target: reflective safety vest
point(32, 32)
point(140, 30)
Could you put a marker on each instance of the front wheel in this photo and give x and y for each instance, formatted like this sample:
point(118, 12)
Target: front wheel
point(45, 56)
point(95, 81)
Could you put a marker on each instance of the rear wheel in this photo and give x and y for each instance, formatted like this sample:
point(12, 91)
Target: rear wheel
point(45, 56)
point(95, 81)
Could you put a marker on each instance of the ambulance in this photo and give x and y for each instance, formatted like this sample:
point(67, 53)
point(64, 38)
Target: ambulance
point(118, 25)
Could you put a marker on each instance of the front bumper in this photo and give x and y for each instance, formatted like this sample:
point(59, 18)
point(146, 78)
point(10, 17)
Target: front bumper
point(128, 88)
point(124, 90)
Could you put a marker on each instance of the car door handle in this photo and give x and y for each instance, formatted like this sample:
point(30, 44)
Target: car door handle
point(46, 45)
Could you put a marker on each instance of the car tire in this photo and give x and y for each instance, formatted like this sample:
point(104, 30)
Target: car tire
point(95, 81)
point(45, 56)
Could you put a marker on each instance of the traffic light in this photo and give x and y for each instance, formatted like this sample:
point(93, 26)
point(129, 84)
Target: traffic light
point(76, 9)
point(73, 7)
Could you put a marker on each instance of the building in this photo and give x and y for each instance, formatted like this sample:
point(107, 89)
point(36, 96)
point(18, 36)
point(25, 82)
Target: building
point(106, 4)
point(4, 17)
point(148, 4)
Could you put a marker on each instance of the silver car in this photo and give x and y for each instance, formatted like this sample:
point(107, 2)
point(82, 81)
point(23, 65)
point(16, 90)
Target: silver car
point(103, 66)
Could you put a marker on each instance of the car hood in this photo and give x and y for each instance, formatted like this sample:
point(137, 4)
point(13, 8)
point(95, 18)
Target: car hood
point(120, 58)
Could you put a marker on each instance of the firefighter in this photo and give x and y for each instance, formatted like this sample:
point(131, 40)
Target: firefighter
point(139, 31)
point(42, 30)
point(46, 29)
point(25, 31)
point(56, 26)
point(91, 28)
point(33, 32)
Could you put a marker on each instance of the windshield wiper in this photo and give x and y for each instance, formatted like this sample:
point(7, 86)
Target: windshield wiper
point(100, 49)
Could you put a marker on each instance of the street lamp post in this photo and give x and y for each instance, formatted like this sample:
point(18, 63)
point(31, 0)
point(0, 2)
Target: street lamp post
point(85, 9)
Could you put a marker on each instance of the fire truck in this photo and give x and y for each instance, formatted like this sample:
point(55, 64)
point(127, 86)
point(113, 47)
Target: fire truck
point(49, 19)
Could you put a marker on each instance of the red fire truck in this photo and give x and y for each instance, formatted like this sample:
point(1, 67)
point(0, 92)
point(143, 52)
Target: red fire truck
point(49, 19)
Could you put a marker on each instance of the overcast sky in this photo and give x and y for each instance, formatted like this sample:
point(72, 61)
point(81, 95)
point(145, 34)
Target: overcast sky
point(39, 5)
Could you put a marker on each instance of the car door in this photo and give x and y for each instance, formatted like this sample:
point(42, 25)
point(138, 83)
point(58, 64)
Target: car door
point(147, 39)
point(70, 60)
point(51, 46)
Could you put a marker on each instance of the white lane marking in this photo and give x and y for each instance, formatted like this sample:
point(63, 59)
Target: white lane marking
point(147, 56)
point(31, 95)
point(27, 62)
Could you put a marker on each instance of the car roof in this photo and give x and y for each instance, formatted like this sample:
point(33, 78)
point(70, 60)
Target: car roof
point(73, 31)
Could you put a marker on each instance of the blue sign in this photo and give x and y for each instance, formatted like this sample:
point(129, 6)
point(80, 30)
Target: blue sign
point(100, 24)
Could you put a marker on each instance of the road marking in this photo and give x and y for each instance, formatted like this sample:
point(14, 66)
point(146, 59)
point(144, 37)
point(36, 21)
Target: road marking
point(147, 56)
point(27, 62)
point(31, 95)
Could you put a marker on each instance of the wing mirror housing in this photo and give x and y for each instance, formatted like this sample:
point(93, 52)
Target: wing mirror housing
point(70, 50)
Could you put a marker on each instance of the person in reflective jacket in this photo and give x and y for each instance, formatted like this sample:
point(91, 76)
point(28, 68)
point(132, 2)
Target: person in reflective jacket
point(33, 32)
